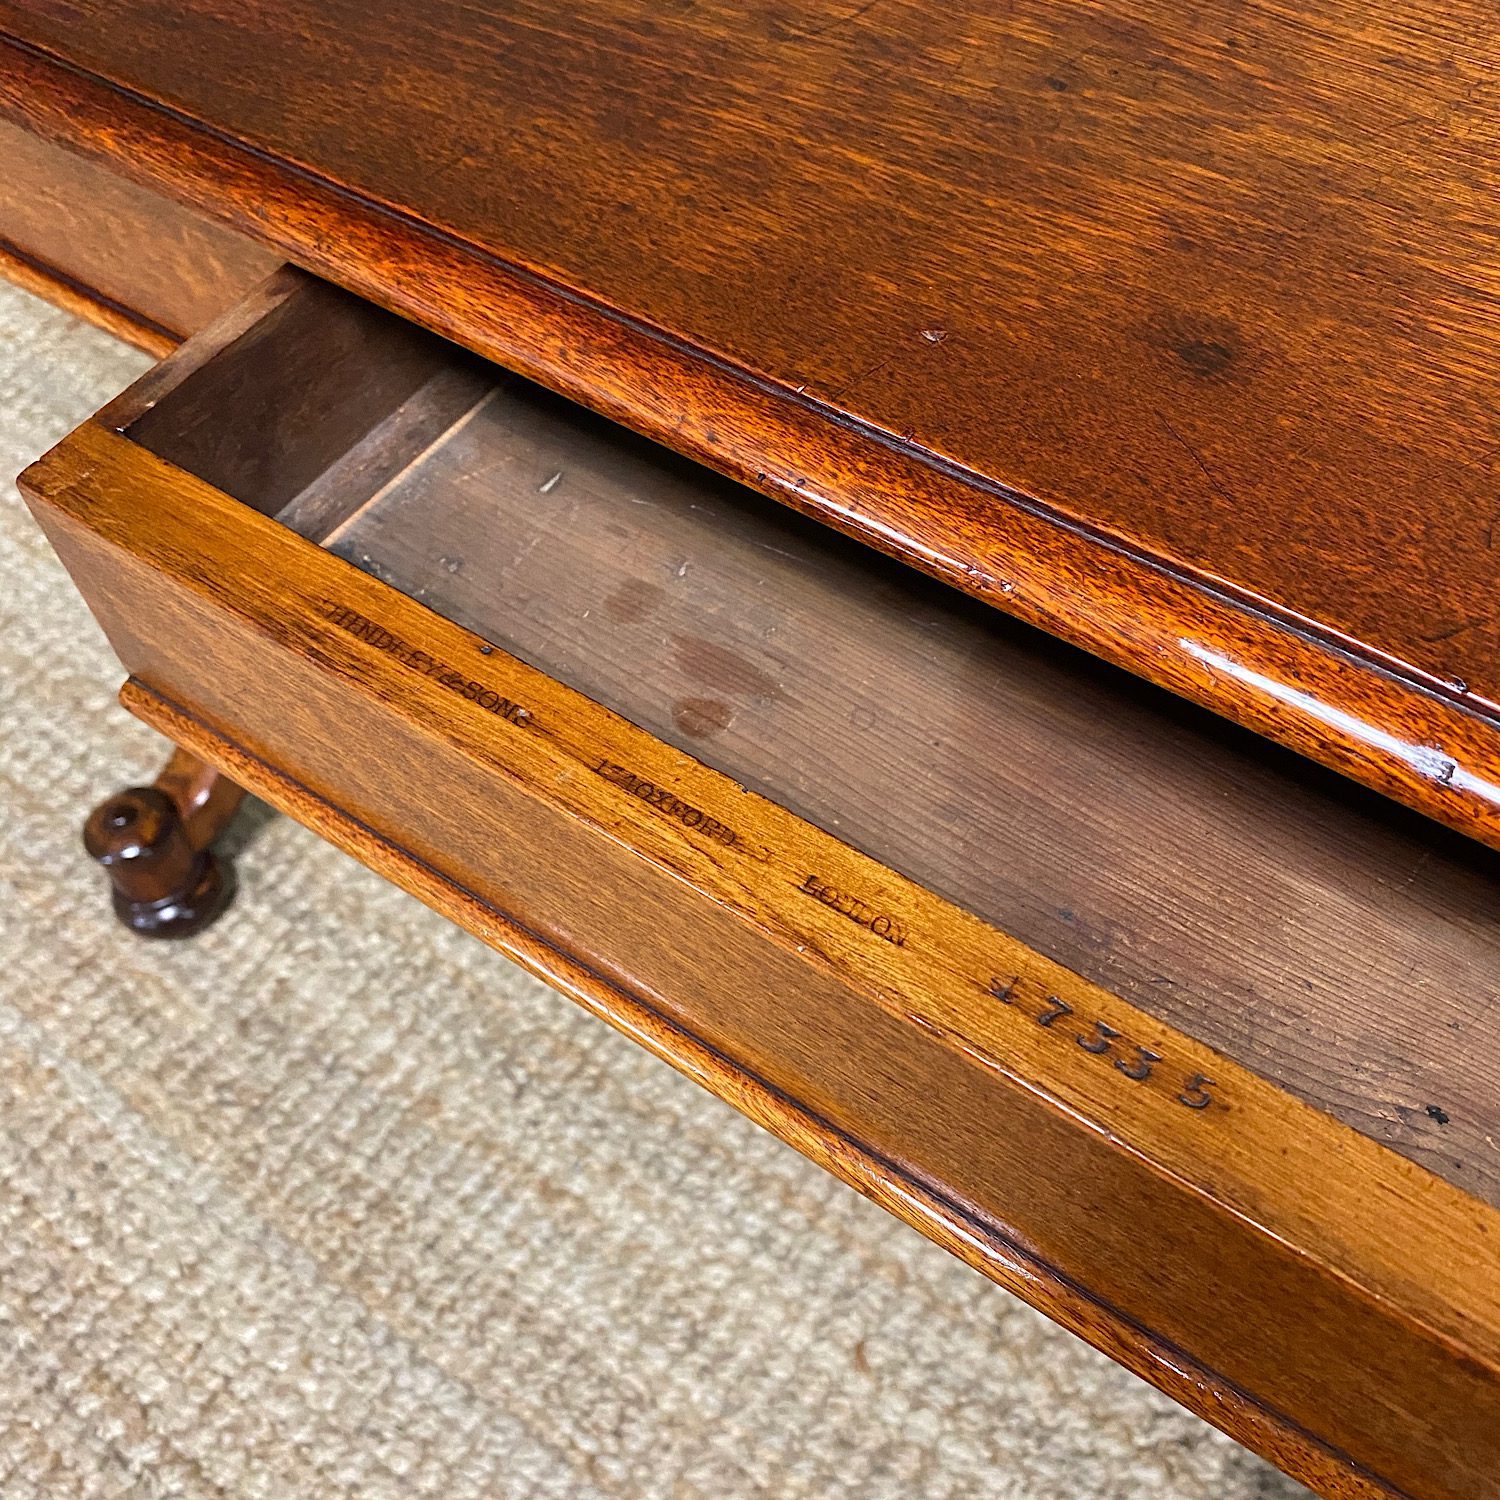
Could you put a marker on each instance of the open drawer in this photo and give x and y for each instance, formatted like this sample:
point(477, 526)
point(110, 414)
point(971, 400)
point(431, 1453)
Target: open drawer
point(1178, 1037)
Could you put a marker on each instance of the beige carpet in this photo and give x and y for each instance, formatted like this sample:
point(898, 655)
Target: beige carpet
point(334, 1201)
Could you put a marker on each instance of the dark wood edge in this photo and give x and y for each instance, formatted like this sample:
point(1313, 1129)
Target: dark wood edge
point(979, 1244)
point(1411, 736)
point(85, 302)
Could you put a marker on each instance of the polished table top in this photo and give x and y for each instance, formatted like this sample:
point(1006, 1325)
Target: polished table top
point(1170, 329)
point(943, 311)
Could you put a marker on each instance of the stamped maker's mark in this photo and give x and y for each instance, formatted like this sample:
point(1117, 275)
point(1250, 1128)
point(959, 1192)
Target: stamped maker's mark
point(1190, 1088)
point(693, 818)
point(879, 923)
point(353, 623)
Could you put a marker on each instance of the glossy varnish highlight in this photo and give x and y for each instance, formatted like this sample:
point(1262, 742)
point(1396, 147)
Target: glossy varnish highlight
point(1047, 299)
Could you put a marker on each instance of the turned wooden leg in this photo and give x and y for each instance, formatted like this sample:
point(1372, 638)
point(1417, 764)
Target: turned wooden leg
point(155, 843)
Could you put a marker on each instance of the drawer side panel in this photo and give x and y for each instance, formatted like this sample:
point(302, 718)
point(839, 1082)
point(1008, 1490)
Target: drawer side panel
point(1063, 1211)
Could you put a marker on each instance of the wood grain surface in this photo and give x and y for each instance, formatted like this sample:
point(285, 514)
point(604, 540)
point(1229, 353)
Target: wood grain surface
point(562, 961)
point(1342, 948)
point(1152, 1192)
point(1352, 1331)
point(1170, 330)
point(1337, 945)
point(139, 264)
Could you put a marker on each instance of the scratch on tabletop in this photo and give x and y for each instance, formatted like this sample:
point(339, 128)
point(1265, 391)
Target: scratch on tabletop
point(835, 24)
point(1219, 488)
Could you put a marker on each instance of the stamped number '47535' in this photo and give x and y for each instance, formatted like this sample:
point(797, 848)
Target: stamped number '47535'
point(1192, 1090)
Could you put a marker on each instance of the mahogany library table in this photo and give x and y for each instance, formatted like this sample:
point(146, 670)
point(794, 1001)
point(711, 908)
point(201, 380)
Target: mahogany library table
point(935, 564)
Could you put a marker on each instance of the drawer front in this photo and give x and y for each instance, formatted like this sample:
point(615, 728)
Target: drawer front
point(1190, 1217)
point(121, 255)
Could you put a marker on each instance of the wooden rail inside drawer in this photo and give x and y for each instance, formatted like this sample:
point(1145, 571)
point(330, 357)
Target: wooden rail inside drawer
point(1117, 1001)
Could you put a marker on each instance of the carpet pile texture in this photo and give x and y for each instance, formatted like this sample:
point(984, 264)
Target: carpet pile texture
point(332, 1201)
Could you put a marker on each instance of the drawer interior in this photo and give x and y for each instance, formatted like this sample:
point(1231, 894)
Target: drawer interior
point(1327, 939)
